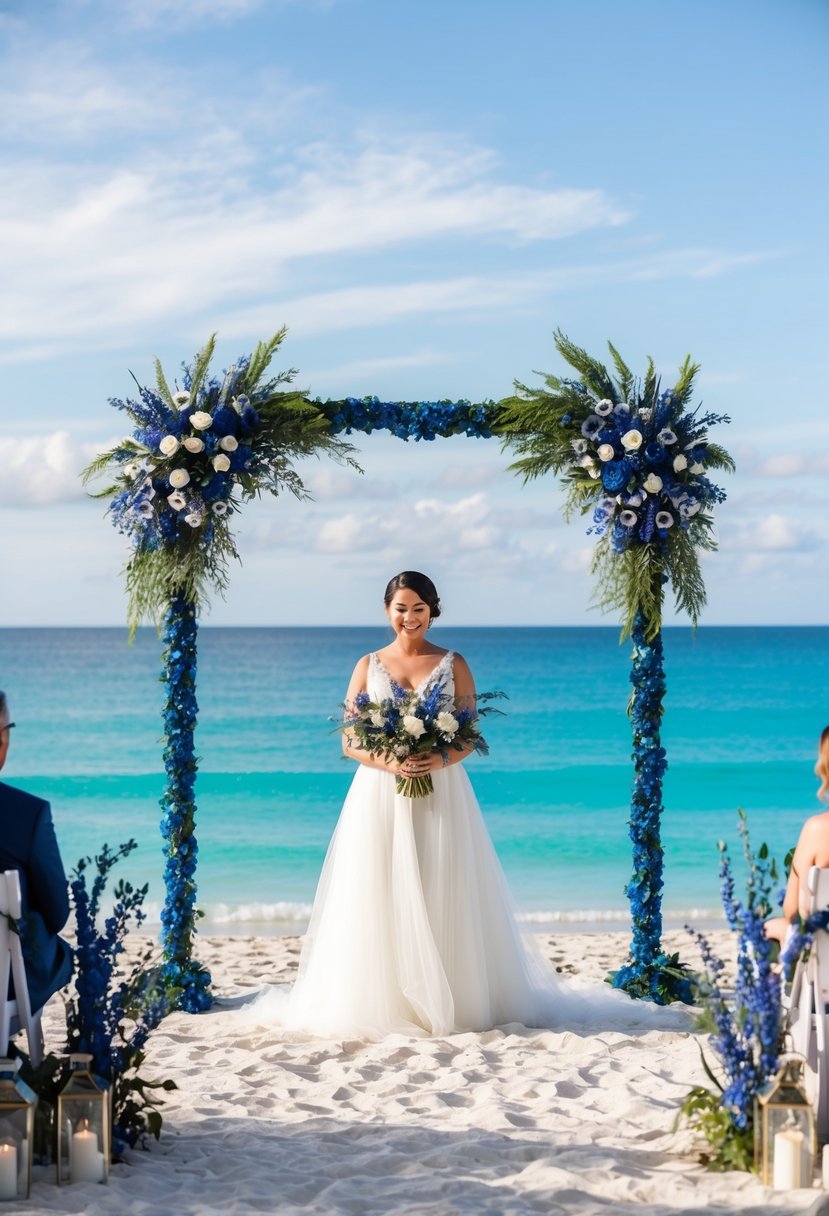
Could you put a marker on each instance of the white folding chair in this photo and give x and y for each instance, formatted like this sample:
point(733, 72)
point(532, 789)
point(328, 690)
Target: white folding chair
point(808, 1006)
point(15, 1014)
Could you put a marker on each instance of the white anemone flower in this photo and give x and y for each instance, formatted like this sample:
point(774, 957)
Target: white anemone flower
point(628, 519)
point(652, 483)
point(591, 426)
point(181, 398)
point(228, 443)
point(145, 509)
point(194, 444)
point(605, 451)
point(680, 462)
point(631, 440)
point(692, 509)
point(201, 420)
point(177, 500)
point(219, 508)
point(169, 445)
point(622, 408)
point(645, 414)
point(664, 519)
point(178, 478)
point(666, 436)
point(413, 726)
point(579, 446)
point(221, 463)
point(603, 408)
point(195, 519)
point(132, 470)
point(635, 500)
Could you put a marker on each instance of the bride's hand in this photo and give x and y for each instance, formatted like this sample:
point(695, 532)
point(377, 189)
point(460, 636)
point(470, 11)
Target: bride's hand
point(417, 766)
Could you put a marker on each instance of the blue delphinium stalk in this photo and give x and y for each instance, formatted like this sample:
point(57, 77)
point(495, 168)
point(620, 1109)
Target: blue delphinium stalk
point(178, 917)
point(411, 419)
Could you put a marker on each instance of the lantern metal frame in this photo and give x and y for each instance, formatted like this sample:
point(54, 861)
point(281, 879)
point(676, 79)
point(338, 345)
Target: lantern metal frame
point(785, 1092)
point(83, 1107)
point(18, 1104)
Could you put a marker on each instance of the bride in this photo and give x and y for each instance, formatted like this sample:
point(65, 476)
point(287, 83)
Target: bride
point(413, 929)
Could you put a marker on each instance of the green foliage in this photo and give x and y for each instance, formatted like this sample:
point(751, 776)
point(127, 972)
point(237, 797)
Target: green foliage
point(728, 1147)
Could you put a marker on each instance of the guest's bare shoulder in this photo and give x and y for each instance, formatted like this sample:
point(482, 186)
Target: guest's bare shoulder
point(815, 829)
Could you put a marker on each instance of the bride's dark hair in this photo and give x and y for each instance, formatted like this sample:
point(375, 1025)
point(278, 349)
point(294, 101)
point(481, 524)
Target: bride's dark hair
point(421, 584)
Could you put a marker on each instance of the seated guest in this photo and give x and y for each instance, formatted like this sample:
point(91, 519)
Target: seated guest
point(28, 845)
point(812, 850)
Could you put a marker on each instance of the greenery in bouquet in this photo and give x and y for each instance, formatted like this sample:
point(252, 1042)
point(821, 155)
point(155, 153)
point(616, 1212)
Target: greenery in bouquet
point(194, 455)
point(412, 723)
point(635, 458)
point(744, 1022)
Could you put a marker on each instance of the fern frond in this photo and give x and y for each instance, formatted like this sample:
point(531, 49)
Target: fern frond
point(687, 375)
point(625, 378)
point(201, 365)
point(595, 374)
point(161, 384)
point(261, 358)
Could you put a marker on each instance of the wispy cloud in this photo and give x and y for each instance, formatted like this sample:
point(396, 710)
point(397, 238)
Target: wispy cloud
point(42, 470)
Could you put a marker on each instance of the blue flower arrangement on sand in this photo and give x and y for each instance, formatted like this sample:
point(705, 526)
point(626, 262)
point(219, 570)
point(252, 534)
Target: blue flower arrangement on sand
point(636, 459)
point(745, 1025)
point(194, 456)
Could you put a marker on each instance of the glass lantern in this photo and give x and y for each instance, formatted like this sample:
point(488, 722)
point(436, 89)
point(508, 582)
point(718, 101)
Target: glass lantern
point(785, 1132)
point(17, 1123)
point(83, 1125)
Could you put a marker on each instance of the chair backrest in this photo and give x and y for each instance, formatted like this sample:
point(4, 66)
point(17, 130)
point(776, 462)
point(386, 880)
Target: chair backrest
point(817, 881)
point(5, 935)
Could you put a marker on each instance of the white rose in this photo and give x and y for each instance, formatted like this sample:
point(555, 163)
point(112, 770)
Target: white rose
point(413, 726)
point(446, 723)
point(221, 463)
point(178, 478)
point(194, 444)
point(697, 468)
point(605, 451)
point(376, 718)
point(169, 445)
point(631, 440)
point(652, 484)
point(201, 420)
point(680, 463)
point(229, 443)
point(177, 500)
point(181, 398)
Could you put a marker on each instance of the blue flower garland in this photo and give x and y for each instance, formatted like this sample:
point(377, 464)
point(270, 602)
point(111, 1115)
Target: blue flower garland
point(178, 917)
point(411, 419)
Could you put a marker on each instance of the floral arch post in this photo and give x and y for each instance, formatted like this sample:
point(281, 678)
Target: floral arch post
point(194, 456)
point(636, 458)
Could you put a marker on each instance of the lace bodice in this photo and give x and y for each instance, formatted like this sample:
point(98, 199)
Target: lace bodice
point(379, 680)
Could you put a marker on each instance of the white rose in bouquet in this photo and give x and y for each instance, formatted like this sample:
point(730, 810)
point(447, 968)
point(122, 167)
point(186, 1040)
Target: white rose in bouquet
point(652, 483)
point(221, 463)
point(605, 451)
point(228, 443)
point(169, 445)
point(201, 420)
point(179, 478)
point(680, 463)
point(446, 724)
point(194, 444)
point(413, 726)
point(376, 718)
point(631, 440)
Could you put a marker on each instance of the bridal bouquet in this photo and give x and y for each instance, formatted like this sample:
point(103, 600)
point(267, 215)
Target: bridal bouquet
point(410, 723)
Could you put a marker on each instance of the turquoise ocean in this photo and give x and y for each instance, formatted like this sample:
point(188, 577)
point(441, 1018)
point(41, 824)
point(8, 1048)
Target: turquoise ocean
point(744, 710)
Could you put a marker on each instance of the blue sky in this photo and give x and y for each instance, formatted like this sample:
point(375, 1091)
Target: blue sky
point(422, 193)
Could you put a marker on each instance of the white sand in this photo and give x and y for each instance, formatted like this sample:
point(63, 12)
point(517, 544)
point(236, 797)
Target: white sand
point(509, 1121)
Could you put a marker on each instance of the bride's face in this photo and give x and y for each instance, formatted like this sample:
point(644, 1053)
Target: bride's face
point(407, 613)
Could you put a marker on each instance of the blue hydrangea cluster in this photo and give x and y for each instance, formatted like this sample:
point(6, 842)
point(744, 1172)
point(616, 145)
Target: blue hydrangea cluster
point(748, 1023)
point(649, 970)
point(178, 917)
point(108, 1016)
point(645, 464)
point(410, 420)
point(182, 462)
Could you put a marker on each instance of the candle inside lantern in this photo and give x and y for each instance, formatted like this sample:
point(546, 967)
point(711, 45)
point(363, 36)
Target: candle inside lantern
point(788, 1152)
point(8, 1171)
point(86, 1162)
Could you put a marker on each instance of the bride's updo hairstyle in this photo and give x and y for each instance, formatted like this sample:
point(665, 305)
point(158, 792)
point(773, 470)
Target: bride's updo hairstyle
point(423, 586)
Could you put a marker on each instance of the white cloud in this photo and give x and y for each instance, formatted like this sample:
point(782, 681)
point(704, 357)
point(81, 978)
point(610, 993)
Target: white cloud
point(333, 484)
point(42, 470)
point(794, 464)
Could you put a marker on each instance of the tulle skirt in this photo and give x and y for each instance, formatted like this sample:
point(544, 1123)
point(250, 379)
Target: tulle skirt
point(413, 929)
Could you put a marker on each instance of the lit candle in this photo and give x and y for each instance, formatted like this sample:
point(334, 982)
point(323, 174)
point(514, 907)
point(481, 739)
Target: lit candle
point(8, 1171)
point(788, 1151)
point(87, 1162)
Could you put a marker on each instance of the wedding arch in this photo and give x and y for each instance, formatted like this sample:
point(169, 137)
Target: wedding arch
point(631, 454)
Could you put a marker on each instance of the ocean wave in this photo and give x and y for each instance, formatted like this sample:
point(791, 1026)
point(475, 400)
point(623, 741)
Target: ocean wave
point(570, 916)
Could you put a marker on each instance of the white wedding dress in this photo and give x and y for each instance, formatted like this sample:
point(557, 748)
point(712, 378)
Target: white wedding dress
point(413, 929)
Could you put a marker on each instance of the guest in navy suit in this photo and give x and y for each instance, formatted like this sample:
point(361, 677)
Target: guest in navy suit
point(28, 844)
